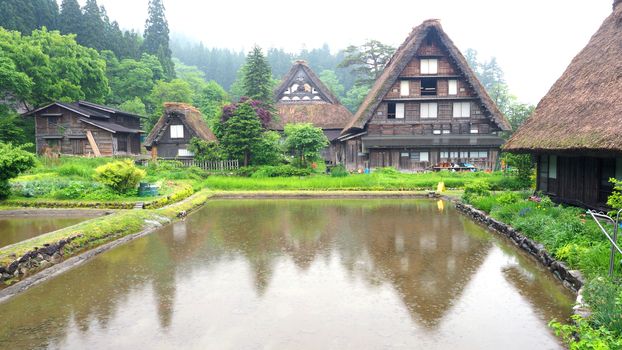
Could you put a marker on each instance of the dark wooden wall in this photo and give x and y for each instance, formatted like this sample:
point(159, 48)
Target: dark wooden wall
point(578, 180)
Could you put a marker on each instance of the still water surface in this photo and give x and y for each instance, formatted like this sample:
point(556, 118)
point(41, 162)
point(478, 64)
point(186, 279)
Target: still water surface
point(17, 229)
point(298, 274)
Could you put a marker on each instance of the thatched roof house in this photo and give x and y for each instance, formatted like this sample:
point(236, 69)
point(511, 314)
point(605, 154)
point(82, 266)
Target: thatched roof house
point(303, 98)
point(575, 131)
point(400, 60)
point(583, 109)
point(171, 135)
point(426, 110)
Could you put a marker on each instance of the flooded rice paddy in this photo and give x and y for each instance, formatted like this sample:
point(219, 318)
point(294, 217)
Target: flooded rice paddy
point(15, 229)
point(298, 274)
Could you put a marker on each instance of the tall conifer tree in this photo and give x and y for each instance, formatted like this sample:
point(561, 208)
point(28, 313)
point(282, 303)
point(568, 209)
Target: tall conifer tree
point(70, 19)
point(157, 37)
point(93, 32)
point(257, 82)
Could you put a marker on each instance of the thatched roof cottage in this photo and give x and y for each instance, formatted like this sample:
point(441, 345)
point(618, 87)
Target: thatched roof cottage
point(171, 135)
point(575, 132)
point(303, 98)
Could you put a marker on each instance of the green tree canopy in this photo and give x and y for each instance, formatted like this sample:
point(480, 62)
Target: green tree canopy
point(257, 81)
point(176, 90)
point(330, 79)
point(70, 18)
point(305, 141)
point(367, 61)
point(241, 132)
point(57, 66)
point(157, 37)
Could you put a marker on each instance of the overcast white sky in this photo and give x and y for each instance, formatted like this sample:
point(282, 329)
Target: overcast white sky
point(533, 40)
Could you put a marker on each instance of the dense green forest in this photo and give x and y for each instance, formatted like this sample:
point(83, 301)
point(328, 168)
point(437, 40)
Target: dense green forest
point(68, 52)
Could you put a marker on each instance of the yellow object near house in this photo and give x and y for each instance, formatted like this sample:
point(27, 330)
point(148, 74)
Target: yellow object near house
point(440, 187)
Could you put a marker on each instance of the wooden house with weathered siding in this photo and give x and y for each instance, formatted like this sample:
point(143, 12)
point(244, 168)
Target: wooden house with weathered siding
point(303, 98)
point(85, 128)
point(575, 132)
point(427, 109)
point(170, 137)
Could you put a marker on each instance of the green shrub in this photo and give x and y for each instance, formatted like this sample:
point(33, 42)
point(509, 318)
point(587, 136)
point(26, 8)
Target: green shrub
point(13, 161)
point(581, 336)
point(508, 198)
point(120, 176)
point(484, 203)
point(478, 188)
point(280, 171)
point(605, 299)
point(338, 171)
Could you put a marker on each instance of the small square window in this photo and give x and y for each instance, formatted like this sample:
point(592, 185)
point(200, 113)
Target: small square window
point(436, 132)
point(177, 131)
point(429, 66)
point(391, 110)
point(474, 130)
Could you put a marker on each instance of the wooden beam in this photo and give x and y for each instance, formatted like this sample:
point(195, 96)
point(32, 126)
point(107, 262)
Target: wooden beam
point(93, 144)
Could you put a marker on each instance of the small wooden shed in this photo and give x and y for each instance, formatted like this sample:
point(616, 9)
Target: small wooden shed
point(86, 128)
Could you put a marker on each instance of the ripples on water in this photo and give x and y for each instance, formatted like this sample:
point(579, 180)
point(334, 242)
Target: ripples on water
point(285, 274)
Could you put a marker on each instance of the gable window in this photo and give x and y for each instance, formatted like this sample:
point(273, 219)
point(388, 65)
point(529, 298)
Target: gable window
point(429, 110)
point(428, 87)
point(399, 111)
point(462, 109)
point(391, 110)
point(404, 88)
point(53, 122)
point(177, 131)
point(182, 152)
point(452, 88)
point(429, 66)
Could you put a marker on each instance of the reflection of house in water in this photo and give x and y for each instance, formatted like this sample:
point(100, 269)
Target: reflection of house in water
point(426, 256)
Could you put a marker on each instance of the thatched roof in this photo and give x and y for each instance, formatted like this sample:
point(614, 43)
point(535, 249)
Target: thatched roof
point(583, 109)
point(325, 111)
point(400, 60)
point(190, 116)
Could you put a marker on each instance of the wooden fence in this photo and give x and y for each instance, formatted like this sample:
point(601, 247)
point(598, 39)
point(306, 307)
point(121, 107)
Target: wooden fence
point(220, 165)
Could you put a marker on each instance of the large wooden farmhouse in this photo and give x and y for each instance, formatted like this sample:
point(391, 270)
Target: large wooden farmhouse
point(575, 132)
point(303, 98)
point(85, 128)
point(427, 110)
point(170, 137)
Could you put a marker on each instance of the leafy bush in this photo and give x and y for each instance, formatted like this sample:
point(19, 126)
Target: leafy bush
point(338, 171)
point(120, 176)
point(205, 150)
point(13, 161)
point(581, 335)
point(484, 203)
point(280, 171)
point(605, 299)
point(478, 188)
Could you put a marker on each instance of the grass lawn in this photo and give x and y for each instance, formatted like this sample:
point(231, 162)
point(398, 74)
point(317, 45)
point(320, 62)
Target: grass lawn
point(377, 181)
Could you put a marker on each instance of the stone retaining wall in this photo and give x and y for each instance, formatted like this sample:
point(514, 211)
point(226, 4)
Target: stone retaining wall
point(571, 279)
point(35, 260)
